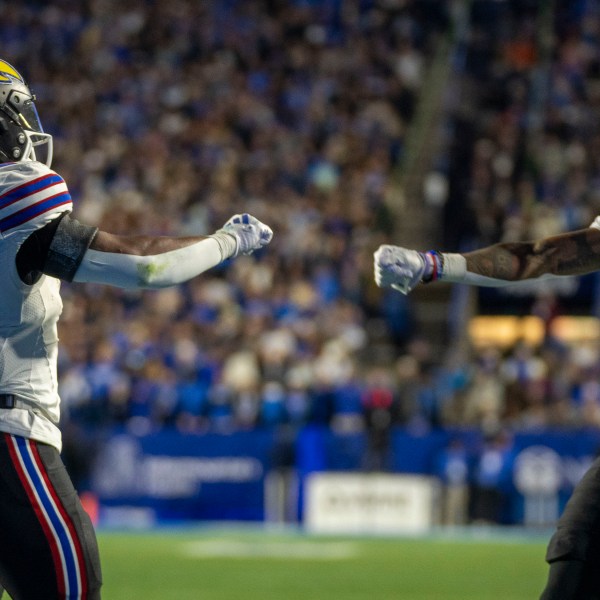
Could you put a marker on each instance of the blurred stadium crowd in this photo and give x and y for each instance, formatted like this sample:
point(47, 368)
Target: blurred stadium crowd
point(169, 117)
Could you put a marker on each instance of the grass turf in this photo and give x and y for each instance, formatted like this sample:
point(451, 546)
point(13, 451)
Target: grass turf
point(223, 564)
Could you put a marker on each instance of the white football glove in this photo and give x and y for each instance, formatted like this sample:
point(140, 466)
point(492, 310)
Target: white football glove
point(399, 268)
point(250, 234)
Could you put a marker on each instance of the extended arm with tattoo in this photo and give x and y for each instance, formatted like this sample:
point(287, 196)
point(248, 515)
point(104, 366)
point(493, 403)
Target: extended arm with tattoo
point(573, 253)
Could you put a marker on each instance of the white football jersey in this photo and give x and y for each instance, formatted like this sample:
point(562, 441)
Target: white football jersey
point(31, 195)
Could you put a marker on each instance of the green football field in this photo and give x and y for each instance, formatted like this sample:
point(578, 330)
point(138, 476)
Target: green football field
point(239, 564)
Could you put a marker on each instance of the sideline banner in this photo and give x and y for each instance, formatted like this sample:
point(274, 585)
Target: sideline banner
point(370, 503)
point(172, 476)
point(542, 467)
point(140, 480)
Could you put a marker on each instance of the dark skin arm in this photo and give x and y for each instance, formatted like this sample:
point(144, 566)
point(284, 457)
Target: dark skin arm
point(140, 245)
point(32, 257)
point(573, 253)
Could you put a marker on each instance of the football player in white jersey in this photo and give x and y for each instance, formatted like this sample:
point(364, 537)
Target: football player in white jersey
point(48, 547)
point(574, 550)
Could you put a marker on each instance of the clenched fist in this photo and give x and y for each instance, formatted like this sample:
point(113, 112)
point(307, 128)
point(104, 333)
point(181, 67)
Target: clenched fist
point(399, 268)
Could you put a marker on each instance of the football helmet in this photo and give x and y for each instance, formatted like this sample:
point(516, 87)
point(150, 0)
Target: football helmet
point(21, 133)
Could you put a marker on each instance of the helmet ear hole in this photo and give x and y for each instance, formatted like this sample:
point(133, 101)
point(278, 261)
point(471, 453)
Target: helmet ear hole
point(15, 144)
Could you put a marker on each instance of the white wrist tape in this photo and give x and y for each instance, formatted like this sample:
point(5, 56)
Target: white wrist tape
point(454, 267)
point(157, 271)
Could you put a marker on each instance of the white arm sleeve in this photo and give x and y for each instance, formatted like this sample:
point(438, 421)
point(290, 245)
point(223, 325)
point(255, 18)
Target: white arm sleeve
point(455, 270)
point(157, 271)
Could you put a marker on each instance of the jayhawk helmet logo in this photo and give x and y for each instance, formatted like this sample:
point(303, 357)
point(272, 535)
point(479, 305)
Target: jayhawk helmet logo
point(8, 73)
point(21, 133)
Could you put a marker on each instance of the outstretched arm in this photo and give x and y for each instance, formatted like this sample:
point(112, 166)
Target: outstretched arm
point(70, 251)
point(155, 262)
point(573, 253)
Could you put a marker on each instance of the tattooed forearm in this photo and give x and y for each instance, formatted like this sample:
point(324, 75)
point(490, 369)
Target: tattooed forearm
point(496, 261)
point(577, 253)
point(573, 253)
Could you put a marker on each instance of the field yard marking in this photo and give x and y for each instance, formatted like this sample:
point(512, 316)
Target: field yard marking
point(301, 550)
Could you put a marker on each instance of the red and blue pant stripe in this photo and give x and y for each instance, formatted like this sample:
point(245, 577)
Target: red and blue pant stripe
point(53, 525)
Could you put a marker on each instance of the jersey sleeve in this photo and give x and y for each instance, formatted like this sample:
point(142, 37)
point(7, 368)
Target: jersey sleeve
point(31, 195)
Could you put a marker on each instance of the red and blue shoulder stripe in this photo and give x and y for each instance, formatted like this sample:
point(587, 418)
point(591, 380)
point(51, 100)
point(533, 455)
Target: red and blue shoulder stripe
point(32, 199)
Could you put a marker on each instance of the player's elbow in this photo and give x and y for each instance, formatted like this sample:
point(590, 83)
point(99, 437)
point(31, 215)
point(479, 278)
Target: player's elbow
point(153, 273)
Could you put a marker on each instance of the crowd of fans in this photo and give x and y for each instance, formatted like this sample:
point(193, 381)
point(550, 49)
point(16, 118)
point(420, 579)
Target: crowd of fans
point(523, 166)
point(524, 163)
point(169, 117)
